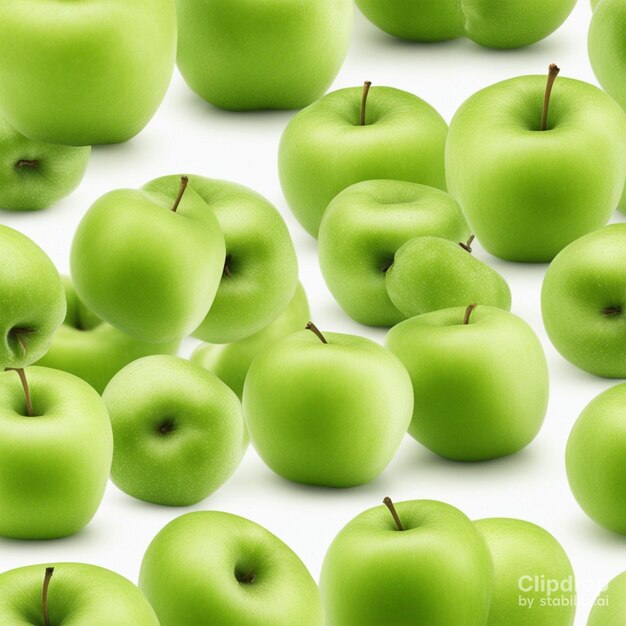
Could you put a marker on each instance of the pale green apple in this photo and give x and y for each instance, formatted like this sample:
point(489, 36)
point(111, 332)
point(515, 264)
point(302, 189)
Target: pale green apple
point(218, 569)
point(609, 608)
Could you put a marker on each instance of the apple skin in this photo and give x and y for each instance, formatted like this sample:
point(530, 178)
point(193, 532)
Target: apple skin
point(183, 590)
point(260, 256)
point(231, 361)
point(327, 414)
point(178, 430)
point(242, 55)
point(522, 551)
point(91, 349)
point(528, 193)
point(149, 271)
point(54, 466)
point(362, 230)
point(609, 608)
point(33, 304)
point(436, 572)
point(480, 389)
point(596, 459)
point(84, 73)
point(432, 273)
point(585, 280)
point(78, 595)
point(324, 149)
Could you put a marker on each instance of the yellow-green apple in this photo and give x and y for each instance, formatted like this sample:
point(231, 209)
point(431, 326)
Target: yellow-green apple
point(83, 73)
point(147, 264)
point(347, 137)
point(268, 54)
point(178, 430)
point(55, 453)
point(260, 272)
point(327, 409)
point(609, 608)
point(253, 577)
point(480, 381)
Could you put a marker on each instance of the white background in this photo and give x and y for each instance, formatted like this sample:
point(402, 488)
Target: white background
point(187, 135)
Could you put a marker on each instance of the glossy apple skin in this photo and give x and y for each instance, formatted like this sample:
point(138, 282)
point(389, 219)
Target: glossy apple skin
point(183, 590)
point(437, 572)
point(527, 193)
point(231, 361)
point(363, 228)
point(178, 430)
point(84, 73)
point(150, 272)
point(54, 466)
point(522, 551)
point(596, 459)
point(584, 280)
point(609, 608)
point(481, 389)
point(324, 149)
point(327, 414)
point(260, 256)
point(79, 595)
point(271, 54)
point(33, 304)
point(432, 273)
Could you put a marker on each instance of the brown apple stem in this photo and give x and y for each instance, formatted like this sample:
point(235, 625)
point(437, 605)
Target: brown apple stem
point(184, 181)
point(29, 402)
point(316, 331)
point(388, 502)
point(468, 314)
point(26, 163)
point(553, 72)
point(44, 595)
point(227, 268)
point(468, 245)
point(366, 90)
point(612, 310)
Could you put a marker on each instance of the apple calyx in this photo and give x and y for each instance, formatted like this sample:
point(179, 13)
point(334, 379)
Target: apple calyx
point(468, 245)
point(30, 163)
point(44, 595)
point(366, 89)
point(553, 72)
point(316, 331)
point(610, 311)
point(184, 181)
point(24, 381)
point(468, 314)
point(245, 577)
point(388, 502)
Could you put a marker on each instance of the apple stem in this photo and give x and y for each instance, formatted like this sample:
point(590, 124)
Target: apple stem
point(366, 90)
point(612, 310)
point(316, 331)
point(468, 314)
point(26, 163)
point(388, 502)
point(468, 246)
point(227, 268)
point(22, 375)
point(44, 595)
point(184, 181)
point(553, 72)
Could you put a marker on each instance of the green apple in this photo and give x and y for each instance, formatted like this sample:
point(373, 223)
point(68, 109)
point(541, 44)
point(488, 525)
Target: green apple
point(363, 228)
point(83, 73)
point(35, 174)
point(432, 273)
point(33, 305)
point(348, 137)
point(210, 567)
point(480, 381)
point(596, 459)
point(583, 302)
point(260, 273)
point(91, 349)
point(75, 594)
point(421, 563)
point(267, 54)
point(231, 361)
point(149, 265)
point(327, 409)
point(178, 430)
point(609, 609)
point(528, 192)
point(55, 453)
point(534, 579)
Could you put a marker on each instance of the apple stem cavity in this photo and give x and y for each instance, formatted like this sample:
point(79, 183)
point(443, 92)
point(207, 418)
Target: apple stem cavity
point(468, 245)
point(184, 181)
point(610, 311)
point(316, 331)
point(24, 381)
point(32, 164)
point(388, 502)
point(227, 271)
point(468, 314)
point(553, 72)
point(44, 595)
point(366, 90)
